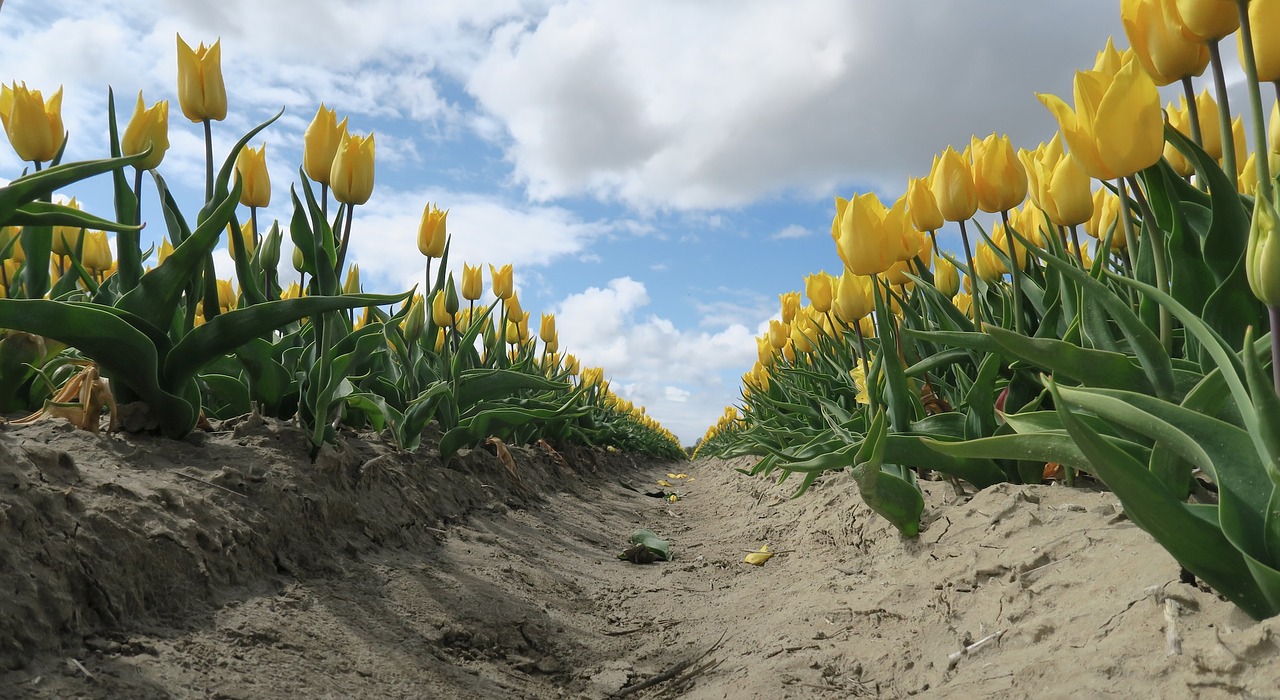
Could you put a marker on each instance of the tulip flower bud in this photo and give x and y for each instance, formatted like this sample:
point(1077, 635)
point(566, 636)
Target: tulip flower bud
point(96, 256)
point(269, 255)
point(299, 261)
point(853, 298)
point(513, 333)
point(946, 277)
point(863, 245)
point(441, 338)
point(472, 282)
point(414, 321)
point(922, 205)
point(503, 285)
point(320, 144)
point(451, 303)
point(351, 176)
point(1262, 256)
point(820, 289)
point(34, 127)
point(201, 92)
point(251, 169)
point(439, 314)
point(1238, 141)
point(431, 231)
point(1155, 32)
point(149, 128)
point(951, 180)
point(547, 329)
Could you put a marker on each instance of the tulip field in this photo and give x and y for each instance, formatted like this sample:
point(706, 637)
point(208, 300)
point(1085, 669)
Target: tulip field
point(1140, 352)
point(1109, 320)
point(86, 333)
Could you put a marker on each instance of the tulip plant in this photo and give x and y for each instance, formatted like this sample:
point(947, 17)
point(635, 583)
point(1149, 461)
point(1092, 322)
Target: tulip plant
point(189, 347)
point(1139, 361)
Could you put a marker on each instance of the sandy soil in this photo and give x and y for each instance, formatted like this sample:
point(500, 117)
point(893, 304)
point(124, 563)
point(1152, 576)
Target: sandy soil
point(229, 566)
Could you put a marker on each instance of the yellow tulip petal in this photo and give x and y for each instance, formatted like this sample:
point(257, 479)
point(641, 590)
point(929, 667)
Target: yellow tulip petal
point(758, 558)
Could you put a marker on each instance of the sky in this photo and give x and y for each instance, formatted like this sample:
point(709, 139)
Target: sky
point(657, 171)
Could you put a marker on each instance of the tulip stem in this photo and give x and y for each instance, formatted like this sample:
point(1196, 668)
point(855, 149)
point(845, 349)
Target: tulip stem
point(1224, 111)
point(862, 351)
point(324, 201)
point(1015, 274)
point(973, 277)
point(1075, 240)
point(346, 238)
point(1193, 110)
point(1156, 236)
point(1255, 102)
point(208, 161)
point(1274, 313)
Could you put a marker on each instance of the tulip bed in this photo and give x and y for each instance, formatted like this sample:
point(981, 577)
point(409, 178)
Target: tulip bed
point(188, 347)
point(1140, 360)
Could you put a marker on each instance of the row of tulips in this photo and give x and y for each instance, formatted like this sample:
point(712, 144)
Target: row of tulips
point(1138, 359)
point(166, 332)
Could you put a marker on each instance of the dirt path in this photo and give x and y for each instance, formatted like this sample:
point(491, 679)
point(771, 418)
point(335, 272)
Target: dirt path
point(525, 597)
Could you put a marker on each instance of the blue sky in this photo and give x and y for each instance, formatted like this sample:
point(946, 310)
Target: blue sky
point(657, 171)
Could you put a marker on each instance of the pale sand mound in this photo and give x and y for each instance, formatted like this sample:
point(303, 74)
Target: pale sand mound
point(380, 574)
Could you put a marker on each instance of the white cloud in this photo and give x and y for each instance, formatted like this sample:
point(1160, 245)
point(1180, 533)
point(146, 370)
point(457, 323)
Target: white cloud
point(679, 375)
point(688, 105)
point(792, 231)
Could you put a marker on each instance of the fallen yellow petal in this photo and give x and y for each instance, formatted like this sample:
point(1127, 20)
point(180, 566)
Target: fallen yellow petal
point(681, 475)
point(671, 475)
point(758, 558)
point(664, 482)
point(673, 498)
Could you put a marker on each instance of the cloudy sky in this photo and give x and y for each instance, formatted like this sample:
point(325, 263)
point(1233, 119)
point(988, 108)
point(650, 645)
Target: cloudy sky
point(656, 170)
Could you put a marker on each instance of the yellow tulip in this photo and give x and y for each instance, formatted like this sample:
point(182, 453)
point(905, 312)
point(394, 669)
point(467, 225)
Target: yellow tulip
point(352, 284)
point(251, 169)
point(34, 127)
point(67, 238)
point(441, 337)
point(999, 178)
point(867, 324)
point(964, 302)
point(790, 303)
point(432, 231)
point(802, 334)
point(951, 180)
point(96, 256)
point(922, 205)
point(1110, 60)
point(1067, 199)
point(503, 284)
point(547, 328)
point(1106, 216)
point(778, 333)
point(1248, 179)
point(764, 350)
point(11, 243)
point(439, 313)
point(1264, 17)
point(862, 244)
point(351, 176)
point(946, 277)
point(226, 295)
point(989, 265)
point(1117, 128)
point(571, 365)
point(201, 93)
point(514, 310)
point(820, 289)
point(853, 297)
point(1155, 33)
point(246, 239)
point(1238, 141)
point(293, 291)
point(320, 144)
point(148, 128)
point(901, 240)
point(1210, 20)
point(165, 250)
point(472, 282)
point(1180, 120)
point(1210, 124)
